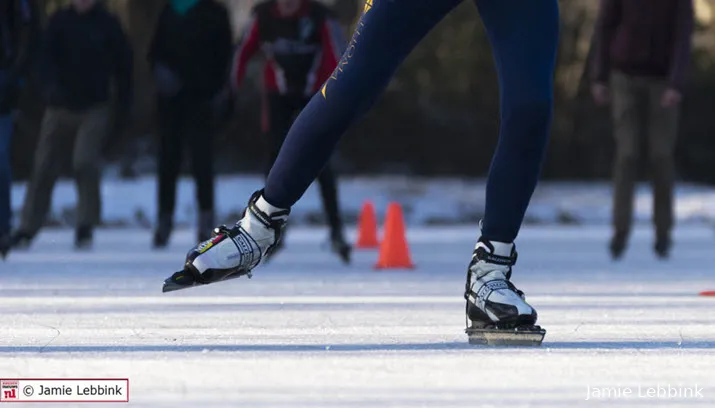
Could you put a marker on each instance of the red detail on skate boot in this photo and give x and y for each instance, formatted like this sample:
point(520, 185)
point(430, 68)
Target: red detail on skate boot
point(367, 227)
point(218, 238)
point(394, 252)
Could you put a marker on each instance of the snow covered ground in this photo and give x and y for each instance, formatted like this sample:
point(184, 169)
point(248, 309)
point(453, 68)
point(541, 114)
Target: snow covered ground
point(425, 201)
point(307, 331)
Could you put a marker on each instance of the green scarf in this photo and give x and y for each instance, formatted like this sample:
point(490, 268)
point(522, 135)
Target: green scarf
point(183, 6)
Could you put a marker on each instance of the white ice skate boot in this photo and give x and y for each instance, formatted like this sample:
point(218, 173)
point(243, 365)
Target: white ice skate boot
point(233, 252)
point(497, 312)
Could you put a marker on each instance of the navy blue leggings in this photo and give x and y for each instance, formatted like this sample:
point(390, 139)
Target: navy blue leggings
point(524, 39)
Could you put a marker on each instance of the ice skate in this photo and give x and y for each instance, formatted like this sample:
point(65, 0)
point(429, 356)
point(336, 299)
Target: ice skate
point(233, 252)
point(497, 313)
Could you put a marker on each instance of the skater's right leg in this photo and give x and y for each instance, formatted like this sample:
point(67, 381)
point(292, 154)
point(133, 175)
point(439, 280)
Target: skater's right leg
point(385, 35)
point(524, 39)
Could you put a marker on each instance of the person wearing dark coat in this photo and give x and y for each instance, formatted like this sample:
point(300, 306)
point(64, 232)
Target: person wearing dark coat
point(643, 50)
point(19, 29)
point(84, 52)
point(190, 55)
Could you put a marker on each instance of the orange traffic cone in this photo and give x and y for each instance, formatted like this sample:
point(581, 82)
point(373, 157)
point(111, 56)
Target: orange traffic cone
point(708, 293)
point(367, 227)
point(394, 253)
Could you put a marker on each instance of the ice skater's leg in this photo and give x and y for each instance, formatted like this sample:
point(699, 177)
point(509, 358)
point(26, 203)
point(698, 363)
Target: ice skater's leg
point(524, 38)
point(384, 36)
point(386, 33)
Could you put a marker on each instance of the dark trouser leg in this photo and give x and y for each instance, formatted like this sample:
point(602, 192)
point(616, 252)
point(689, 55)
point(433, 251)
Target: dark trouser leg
point(170, 156)
point(6, 130)
point(662, 134)
point(57, 126)
point(199, 132)
point(524, 38)
point(386, 33)
point(170, 152)
point(329, 194)
point(86, 162)
point(626, 121)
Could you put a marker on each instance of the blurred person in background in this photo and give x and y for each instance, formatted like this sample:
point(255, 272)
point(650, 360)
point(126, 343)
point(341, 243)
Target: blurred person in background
point(19, 29)
point(302, 43)
point(640, 65)
point(84, 49)
point(190, 55)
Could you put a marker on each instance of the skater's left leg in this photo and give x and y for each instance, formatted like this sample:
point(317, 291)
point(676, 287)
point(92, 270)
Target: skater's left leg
point(386, 33)
point(279, 112)
point(524, 38)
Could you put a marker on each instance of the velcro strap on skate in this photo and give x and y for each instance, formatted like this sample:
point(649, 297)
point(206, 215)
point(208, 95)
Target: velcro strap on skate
point(484, 255)
point(274, 220)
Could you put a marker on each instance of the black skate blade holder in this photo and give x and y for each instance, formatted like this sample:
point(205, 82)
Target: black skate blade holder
point(529, 336)
point(189, 278)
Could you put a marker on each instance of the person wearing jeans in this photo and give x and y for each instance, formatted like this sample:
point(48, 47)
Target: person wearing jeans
point(84, 52)
point(640, 65)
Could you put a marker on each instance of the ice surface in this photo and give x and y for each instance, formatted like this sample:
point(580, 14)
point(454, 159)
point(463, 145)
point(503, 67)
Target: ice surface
point(309, 332)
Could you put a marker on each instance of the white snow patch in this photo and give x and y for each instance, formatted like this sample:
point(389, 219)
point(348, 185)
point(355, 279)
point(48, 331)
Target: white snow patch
point(424, 200)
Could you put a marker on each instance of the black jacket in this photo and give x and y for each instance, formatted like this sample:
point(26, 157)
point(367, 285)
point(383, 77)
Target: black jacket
point(644, 38)
point(19, 32)
point(196, 47)
point(81, 55)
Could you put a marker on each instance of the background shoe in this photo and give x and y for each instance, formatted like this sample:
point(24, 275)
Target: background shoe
point(340, 247)
point(5, 245)
point(662, 247)
point(618, 245)
point(21, 240)
point(83, 237)
point(163, 230)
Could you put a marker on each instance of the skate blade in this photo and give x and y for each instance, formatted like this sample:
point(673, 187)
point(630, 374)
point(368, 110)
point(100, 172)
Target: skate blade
point(530, 337)
point(185, 280)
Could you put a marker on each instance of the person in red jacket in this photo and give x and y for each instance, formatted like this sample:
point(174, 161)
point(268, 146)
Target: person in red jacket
point(302, 43)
